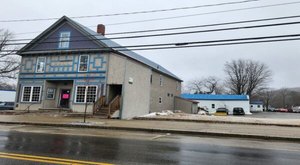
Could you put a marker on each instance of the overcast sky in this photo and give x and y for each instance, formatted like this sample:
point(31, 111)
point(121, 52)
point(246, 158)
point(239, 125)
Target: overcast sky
point(283, 58)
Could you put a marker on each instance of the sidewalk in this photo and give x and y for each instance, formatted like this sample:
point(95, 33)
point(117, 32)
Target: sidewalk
point(177, 127)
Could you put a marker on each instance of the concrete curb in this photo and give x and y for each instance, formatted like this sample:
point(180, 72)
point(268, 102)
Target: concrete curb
point(217, 121)
point(156, 130)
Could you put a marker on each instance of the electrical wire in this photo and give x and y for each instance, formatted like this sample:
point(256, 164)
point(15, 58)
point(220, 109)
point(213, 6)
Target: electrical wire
point(158, 35)
point(133, 13)
point(233, 41)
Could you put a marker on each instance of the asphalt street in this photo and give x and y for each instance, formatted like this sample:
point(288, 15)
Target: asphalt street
point(48, 145)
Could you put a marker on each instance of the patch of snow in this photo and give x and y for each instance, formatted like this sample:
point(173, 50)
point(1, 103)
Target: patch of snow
point(163, 113)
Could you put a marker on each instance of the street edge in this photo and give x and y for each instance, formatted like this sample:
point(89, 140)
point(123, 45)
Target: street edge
point(211, 121)
point(155, 130)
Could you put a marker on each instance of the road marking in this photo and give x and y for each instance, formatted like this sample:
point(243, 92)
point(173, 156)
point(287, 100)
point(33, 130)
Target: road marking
point(45, 159)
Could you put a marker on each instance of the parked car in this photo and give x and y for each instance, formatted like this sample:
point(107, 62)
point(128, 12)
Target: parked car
point(238, 111)
point(221, 112)
point(7, 105)
point(296, 109)
point(271, 109)
point(282, 110)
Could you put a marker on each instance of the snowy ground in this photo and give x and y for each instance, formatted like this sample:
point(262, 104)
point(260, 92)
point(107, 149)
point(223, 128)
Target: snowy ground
point(169, 115)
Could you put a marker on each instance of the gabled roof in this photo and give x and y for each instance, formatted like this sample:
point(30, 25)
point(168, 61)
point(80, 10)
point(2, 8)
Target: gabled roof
point(106, 43)
point(214, 97)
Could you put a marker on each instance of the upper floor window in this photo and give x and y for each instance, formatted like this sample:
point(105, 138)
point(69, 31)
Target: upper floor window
point(40, 64)
point(64, 40)
point(160, 80)
point(83, 63)
point(177, 85)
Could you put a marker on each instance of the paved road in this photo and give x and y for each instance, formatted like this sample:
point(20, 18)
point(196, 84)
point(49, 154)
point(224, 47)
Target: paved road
point(275, 115)
point(120, 147)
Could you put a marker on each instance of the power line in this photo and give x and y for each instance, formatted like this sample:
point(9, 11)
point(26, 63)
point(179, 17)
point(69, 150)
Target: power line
point(135, 12)
point(185, 27)
point(203, 45)
point(207, 13)
point(164, 34)
point(195, 43)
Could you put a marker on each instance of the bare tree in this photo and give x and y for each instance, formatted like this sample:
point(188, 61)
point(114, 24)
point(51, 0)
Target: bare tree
point(246, 76)
point(9, 62)
point(284, 92)
point(266, 95)
point(207, 85)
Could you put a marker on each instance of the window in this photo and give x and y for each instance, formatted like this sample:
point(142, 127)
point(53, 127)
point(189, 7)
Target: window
point(160, 80)
point(212, 106)
point(151, 79)
point(177, 85)
point(159, 100)
point(83, 63)
point(258, 106)
point(40, 64)
point(86, 94)
point(31, 93)
point(64, 40)
point(50, 93)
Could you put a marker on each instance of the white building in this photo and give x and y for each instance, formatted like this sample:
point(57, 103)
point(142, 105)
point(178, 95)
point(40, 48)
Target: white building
point(213, 102)
point(7, 96)
point(256, 106)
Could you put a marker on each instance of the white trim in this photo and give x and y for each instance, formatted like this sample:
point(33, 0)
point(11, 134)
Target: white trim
point(60, 45)
point(85, 92)
point(87, 63)
point(54, 92)
point(31, 92)
point(37, 63)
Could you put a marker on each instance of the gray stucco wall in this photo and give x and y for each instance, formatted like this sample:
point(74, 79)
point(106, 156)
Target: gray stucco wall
point(116, 71)
point(169, 89)
point(136, 90)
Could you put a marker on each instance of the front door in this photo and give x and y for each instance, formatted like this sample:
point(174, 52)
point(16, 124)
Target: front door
point(65, 95)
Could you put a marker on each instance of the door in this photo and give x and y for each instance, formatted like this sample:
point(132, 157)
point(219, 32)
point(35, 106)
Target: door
point(65, 95)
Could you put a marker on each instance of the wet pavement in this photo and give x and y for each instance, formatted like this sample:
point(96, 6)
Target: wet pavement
point(121, 147)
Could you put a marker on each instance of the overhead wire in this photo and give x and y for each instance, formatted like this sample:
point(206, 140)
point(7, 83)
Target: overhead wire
point(160, 34)
point(280, 4)
point(232, 41)
point(133, 13)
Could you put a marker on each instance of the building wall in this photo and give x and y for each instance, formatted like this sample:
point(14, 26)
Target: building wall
point(116, 70)
point(224, 104)
point(59, 69)
point(185, 106)
point(136, 90)
point(256, 107)
point(167, 91)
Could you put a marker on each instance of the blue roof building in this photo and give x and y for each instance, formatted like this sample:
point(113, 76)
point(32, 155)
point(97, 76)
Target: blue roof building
point(213, 102)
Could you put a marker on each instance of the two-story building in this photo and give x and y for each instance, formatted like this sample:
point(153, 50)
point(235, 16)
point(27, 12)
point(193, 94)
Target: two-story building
point(69, 66)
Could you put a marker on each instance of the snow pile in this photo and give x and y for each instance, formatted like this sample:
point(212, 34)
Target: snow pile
point(163, 113)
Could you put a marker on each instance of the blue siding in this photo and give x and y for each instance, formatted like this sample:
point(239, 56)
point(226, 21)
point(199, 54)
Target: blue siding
point(77, 40)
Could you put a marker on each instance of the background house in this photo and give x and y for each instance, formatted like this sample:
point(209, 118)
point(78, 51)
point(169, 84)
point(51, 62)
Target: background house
point(70, 67)
point(256, 106)
point(213, 102)
point(7, 95)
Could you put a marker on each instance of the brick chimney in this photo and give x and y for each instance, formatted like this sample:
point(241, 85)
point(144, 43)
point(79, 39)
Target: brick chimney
point(101, 29)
